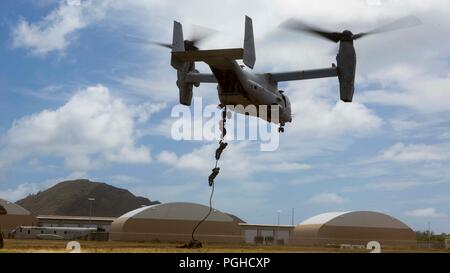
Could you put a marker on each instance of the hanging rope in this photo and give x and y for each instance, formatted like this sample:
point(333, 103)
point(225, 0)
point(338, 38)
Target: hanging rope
point(204, 218)
point(222, 145)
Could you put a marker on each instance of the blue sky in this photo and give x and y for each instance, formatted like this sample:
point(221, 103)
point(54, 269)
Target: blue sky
point(79, 100)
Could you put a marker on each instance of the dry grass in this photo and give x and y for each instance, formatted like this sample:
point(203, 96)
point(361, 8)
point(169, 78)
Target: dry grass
point(45, 246)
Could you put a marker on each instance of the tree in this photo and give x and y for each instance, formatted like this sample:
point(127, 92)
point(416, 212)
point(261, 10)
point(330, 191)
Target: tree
point(424, 236)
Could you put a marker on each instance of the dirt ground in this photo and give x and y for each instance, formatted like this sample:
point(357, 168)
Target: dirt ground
point(48, 246)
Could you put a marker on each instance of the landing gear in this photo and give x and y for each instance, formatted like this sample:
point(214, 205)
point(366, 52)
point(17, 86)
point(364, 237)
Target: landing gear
point(281, 128)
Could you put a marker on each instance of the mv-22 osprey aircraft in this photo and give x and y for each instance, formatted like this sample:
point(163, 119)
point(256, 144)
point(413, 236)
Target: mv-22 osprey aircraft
point(237, 86)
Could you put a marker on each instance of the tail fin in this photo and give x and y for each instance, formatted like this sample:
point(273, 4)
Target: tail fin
point(177, 44)
point(249, 44)
point(183, 67)
point(178, 40)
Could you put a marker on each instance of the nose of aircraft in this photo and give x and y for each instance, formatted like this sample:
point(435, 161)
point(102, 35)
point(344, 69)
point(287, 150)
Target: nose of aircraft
point(286, 115)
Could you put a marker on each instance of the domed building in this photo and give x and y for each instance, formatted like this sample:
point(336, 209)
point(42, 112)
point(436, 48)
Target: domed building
point(174, 222)
point(354, 227)
point(13, 216)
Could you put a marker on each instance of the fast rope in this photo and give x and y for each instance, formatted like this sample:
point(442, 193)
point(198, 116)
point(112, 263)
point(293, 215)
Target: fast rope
point(222, 145)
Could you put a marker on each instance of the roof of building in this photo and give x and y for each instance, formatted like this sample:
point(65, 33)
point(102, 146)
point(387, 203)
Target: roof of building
point(177, 211)
point(13, 208)
point(322, 218)
point(356, 219)
point(58, 228)
point(269, 226)
point(76, 218)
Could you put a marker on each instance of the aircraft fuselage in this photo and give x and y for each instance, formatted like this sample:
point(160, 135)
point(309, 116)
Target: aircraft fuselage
point(238, 87)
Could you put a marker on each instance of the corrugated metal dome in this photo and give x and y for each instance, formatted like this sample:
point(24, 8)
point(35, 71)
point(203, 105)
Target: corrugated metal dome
point(174, 222)
point(370, 219)
point(353, 227)
point(12, 208)
point(13, 215)
point(177, 211)
point(322, 218)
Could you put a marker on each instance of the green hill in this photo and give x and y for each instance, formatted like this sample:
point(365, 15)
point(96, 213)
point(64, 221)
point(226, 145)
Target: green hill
point(70, 198)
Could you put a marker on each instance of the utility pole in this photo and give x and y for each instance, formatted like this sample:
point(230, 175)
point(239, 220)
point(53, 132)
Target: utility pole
point(90, 209)
point(429, 234)
point(292, 216)
point(278, 225)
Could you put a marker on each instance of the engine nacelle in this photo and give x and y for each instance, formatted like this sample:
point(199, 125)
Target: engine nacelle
point(346, 61)
point(184, 86)
point(186, 93)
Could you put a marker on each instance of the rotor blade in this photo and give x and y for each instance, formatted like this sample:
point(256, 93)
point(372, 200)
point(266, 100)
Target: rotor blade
point(140, 40)
point(297, 25)
point(200, 33)
point(169, 46)
point(405, 22)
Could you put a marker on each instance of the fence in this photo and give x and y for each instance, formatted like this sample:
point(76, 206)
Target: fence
point(431, 245)
point(238, 239)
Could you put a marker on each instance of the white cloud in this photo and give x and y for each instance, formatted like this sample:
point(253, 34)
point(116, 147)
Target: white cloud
point(168, 157)
point(58, 29)
point(163, 89)
point(419, 89)
point(289, 167)
point(327, 117)
point(123, 179)
point(92, 128)
point(326, 198)
point(144, 111)
point(185, 192)
point(22, 191)
point(310, 179)
point(401, 124)
point(385, 186)
point(197, 160)
point(425, 213)
point(416, 152)
point(240, 160)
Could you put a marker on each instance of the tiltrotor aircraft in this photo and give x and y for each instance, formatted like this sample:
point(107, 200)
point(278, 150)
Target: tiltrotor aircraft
point(237, 86)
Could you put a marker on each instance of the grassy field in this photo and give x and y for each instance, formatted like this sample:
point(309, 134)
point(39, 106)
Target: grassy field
point(46, 246)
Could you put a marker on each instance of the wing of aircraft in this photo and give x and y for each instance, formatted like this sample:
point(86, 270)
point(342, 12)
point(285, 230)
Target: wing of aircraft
point(303, 74)
point(217, 58)
point(200, 77)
